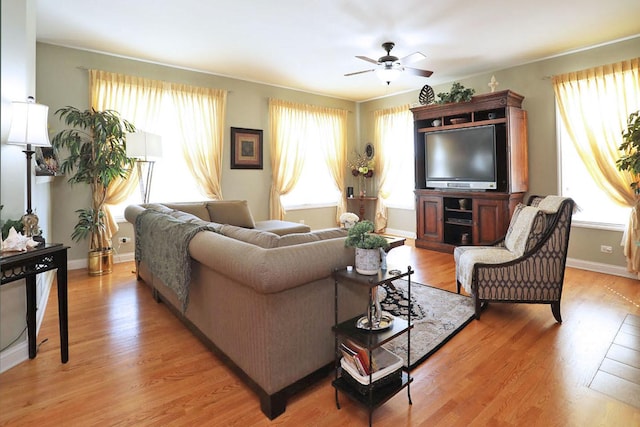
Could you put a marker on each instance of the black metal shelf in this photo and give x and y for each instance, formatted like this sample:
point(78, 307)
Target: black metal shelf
point(379, 396)
point(369, 339)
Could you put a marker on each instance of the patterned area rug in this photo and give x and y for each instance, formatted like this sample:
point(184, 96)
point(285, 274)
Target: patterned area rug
point(437, 315)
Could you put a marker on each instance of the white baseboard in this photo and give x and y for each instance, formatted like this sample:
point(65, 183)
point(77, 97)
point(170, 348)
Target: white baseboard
point(19, 352)
point(400, 233)
point(77, 264)
point(14, 355)
point(598, 267)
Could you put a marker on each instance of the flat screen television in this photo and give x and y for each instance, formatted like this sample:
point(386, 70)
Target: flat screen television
point(461, 159)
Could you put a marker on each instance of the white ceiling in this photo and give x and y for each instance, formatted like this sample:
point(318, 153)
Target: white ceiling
point(310, 44)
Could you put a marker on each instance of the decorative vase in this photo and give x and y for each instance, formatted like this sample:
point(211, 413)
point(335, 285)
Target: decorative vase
point(100, 262)
point(367, 261)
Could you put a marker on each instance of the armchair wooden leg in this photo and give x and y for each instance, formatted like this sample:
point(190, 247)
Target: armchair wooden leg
point(478, 307)
point(555, 309)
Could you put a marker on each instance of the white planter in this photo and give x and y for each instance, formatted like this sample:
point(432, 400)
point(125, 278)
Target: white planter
point(367, 261)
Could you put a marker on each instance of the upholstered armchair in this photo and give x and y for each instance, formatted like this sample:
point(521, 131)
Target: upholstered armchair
point(527, 266)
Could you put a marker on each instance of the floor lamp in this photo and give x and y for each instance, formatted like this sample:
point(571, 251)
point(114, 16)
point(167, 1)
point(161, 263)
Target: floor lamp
point(145, 147)
point(29, 127)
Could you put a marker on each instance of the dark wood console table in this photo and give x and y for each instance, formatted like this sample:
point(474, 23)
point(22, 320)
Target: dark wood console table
point(26, 265)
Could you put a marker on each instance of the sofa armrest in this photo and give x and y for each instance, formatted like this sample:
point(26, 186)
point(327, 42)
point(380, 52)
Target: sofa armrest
point(131, 212)
point(270, 270)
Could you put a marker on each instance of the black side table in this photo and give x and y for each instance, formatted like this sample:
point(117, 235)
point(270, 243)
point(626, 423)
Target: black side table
point(370, 338)
point(26, 265)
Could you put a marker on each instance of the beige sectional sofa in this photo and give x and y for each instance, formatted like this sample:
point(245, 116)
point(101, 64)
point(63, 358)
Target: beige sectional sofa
point(261, 298)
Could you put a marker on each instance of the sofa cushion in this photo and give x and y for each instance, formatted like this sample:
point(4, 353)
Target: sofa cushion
point(297, 239)
point(330, 233)
point(282, 227)
point(232, 212)
point(264, 239)
point(198, 209)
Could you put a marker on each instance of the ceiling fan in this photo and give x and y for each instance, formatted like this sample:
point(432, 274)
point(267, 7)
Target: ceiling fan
point(390, 67)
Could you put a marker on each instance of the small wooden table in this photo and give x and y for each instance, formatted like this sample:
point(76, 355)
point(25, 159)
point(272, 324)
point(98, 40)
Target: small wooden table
point(361, 206)
point(394, 242)
point(26, 265)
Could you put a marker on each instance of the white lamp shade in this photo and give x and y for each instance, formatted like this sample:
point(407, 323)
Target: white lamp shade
point(144, 145)
point(388, 74)
point(29, 124)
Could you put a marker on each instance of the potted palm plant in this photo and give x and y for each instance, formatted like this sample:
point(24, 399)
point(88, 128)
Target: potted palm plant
point(96, 144)
point(630, 160)
point(368, 245)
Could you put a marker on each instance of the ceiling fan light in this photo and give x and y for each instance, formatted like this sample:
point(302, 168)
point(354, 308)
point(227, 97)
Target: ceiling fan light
point(388, 74)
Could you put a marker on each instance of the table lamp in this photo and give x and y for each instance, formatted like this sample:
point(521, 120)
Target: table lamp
point(29, 127)
point(144, 147)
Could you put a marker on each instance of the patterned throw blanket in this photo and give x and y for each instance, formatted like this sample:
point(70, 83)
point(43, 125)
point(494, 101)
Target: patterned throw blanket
point(162, 242)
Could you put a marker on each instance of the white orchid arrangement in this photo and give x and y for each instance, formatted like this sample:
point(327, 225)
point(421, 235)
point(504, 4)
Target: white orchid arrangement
point(348, 219)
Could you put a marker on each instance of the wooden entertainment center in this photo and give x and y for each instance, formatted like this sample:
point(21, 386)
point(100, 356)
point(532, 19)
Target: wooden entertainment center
point(447, 218)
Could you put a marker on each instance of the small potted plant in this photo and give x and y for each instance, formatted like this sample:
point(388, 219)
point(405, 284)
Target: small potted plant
point(458, 94)
point(630, 160)
point(367, 245)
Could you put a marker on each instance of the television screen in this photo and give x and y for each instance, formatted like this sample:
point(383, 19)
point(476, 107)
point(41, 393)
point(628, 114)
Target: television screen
point(461, 158)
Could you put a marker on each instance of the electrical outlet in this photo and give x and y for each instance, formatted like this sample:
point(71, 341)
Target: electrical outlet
point(606, 249)
point(124, 239)
point(302, 221)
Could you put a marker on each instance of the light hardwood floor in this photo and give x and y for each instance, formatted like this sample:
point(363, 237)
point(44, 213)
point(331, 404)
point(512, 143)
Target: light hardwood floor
point(133, 363)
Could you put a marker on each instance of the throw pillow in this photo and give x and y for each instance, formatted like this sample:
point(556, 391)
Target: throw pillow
point(198, 209)
point(232, 212)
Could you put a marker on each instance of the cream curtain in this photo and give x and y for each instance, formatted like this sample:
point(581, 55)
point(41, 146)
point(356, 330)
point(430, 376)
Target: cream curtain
point(336, 152)
point(390, 126)
point(138, 100)
point(201, 113)
point(594, 105)
point(293, 126)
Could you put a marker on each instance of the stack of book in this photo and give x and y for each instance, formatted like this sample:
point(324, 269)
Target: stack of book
point(357, 357)
point(355, 363)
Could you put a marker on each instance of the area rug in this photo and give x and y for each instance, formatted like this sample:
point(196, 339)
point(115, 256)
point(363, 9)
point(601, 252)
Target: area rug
point(437, 315)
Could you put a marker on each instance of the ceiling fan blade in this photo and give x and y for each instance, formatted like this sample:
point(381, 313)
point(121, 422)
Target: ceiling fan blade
point(418, 72)
point(411, 58)
point(359, 72)
point(364, 58)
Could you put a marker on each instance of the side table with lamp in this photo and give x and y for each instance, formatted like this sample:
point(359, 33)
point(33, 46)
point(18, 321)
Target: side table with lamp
point(29, 128)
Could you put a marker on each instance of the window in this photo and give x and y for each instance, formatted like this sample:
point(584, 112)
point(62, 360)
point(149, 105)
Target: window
point(309, 150)
point(596, 208)
point(592, 108)
point(172, 180)
point(394, 128)
point(189, 121)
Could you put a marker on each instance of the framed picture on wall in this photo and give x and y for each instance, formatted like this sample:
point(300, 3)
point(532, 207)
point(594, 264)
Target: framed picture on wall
point(246, 148)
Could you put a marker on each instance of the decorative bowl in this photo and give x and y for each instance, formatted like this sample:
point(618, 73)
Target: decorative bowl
point(459, 120)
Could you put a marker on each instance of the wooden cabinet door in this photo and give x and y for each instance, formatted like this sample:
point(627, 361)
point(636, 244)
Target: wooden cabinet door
point(430, 223)
point(489, 220)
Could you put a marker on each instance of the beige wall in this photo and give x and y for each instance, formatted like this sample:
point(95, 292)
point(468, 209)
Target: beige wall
point(533, 82)
point(63, 80)
point(19, 82)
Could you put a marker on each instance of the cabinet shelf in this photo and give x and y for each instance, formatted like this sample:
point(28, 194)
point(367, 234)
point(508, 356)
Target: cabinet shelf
point(441, 223)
